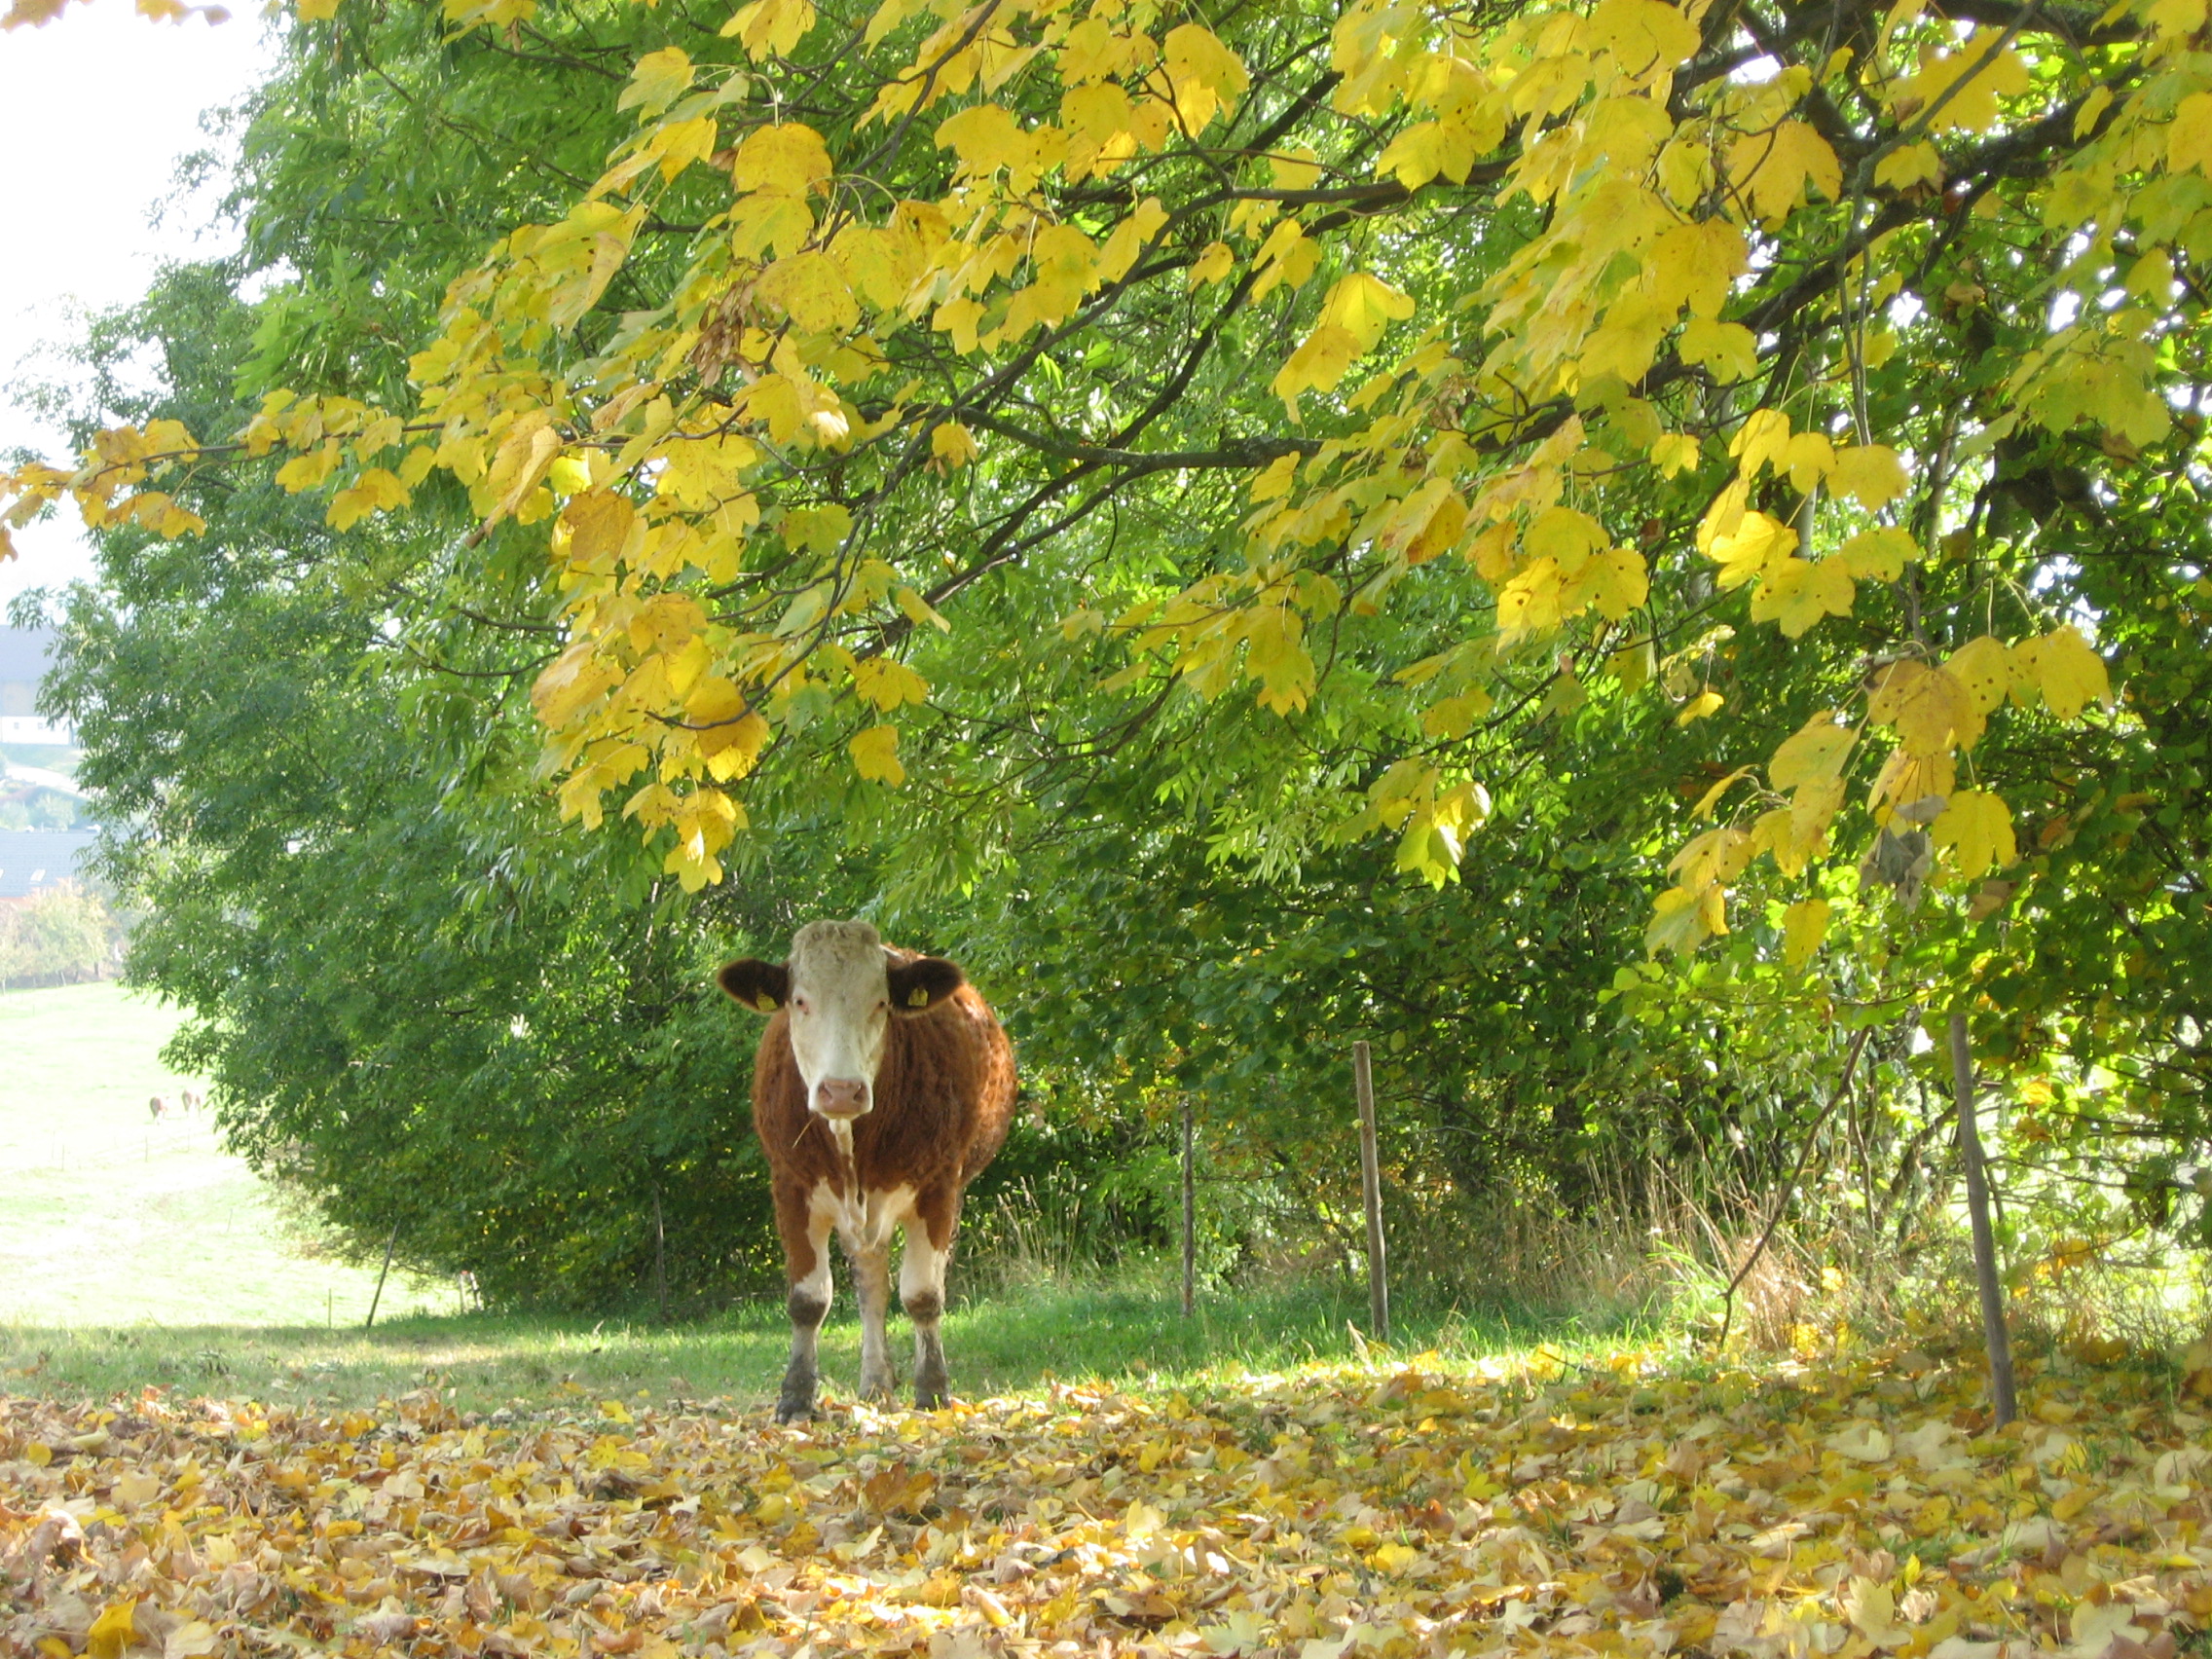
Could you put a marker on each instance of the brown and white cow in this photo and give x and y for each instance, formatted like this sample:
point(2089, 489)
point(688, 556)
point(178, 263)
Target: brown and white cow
point(883, 1086)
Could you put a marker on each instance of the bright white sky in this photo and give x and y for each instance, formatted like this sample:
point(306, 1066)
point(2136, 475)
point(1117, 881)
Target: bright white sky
point(95, 109)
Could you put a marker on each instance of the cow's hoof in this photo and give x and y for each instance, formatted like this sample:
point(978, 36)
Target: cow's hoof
point(879, 1390)
point(929, 1396)
point(790, 1410)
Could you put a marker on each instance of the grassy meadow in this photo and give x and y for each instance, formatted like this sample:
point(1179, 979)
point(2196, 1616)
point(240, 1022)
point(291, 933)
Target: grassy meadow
point(137, 1253)
point(108, 1217)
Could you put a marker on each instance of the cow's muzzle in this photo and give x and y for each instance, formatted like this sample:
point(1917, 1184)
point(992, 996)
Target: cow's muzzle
point(841, 1098)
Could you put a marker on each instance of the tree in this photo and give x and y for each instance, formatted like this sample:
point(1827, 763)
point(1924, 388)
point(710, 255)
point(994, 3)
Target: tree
point(928, 424)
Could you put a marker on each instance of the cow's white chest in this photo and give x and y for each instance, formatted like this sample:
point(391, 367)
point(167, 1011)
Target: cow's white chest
point(864, 1221)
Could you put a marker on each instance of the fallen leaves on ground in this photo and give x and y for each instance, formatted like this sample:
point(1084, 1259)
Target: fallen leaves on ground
point(1554, 1509)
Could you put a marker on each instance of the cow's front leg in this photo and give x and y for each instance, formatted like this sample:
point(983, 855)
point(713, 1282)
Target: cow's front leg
point(871, 1283)
point(921, 1291)
point(805, 1231)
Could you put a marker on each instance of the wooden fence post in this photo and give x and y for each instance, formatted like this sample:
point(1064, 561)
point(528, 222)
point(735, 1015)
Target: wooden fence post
point(1371, 1182)
point(369, 1324)
point(1993, 1329)
point(660, 1256)
point(1189, 1218)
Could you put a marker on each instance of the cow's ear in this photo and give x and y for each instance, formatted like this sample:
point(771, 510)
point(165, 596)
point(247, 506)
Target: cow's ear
point(919, 985)
point(762, 987)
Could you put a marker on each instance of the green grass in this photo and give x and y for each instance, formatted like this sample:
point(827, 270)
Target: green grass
point(108, 1218)
point(137, 1254)
point(1129, 1337)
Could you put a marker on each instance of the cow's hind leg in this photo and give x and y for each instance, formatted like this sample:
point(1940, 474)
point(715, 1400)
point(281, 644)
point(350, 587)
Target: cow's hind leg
point(921, 1291)
point(806, 1261)
point(872, 1283)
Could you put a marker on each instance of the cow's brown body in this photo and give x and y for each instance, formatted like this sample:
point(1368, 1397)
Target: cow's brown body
point(943, 1099)
point(938, 1104)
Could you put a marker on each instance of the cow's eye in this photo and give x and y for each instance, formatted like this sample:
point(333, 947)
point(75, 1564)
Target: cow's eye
point(799, 1005)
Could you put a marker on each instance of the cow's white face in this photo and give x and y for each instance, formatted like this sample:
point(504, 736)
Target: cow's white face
point(840, 1007)
point(842, 992)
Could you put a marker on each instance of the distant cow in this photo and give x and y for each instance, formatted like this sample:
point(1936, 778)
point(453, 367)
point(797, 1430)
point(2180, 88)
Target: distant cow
point(162, 1106)
point(193, 1100)
point(883, 1087)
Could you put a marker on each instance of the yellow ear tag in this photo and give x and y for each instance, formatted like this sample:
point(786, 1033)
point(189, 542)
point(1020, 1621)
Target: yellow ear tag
point(766, 1004)
point(918, 997)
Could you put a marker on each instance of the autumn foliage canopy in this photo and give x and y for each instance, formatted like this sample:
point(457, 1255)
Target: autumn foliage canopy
point(926, 402)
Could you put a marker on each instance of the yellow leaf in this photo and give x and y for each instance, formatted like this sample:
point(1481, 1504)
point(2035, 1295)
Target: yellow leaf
point(875, 756)
point(1804, 925)
point(1697, 264)
point(1773, 169)
point(785, 159)
point(1985, 667)
point(113, 1631)
point(1644, 35)
point(376, 491)
point(1275, 480)
point(770, 28)
point(728, 733)
point(524, 457)
point(1364, 305)
point(1453, 717)
point(1969, 79)
point(1529, 603)
point(306, 472)
point(1673, 452)
point(680, 143)
point(1817, 751)
point(953, 445)
point(1756, 542)
point(1978, 826)
point(1619, 581)
point(888, 682)
point(1728, 348)
point(1686, 171)
point(810, 289)
point(2063, 667)
point(1928, 707)
point(599, 526)
point(1680, 919)
point(1907, 166)
point(658, 80)
point(1318, 364)
point(1706, 801)
point(1798, 592)
point(1697, 707)
point(917, 609)
point(1879, 554)
point(570, 682)
point(1217, 260)
point(1718, 855)
point(316, 11)
point(985, 137)
point(1871, 473)
point(1394, 1558)
point(1762, 441)
point(1808, 459)
point(1565, 537)
point(1205, 75)
point(2189, 140)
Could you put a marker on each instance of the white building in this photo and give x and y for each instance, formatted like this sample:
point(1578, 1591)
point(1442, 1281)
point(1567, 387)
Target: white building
point(23, 655)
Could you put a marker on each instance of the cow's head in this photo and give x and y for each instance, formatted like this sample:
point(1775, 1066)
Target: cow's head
point(843, 989)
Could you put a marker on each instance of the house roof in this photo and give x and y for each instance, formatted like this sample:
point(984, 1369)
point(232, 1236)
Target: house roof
point(25, 653)
point(43, 857)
